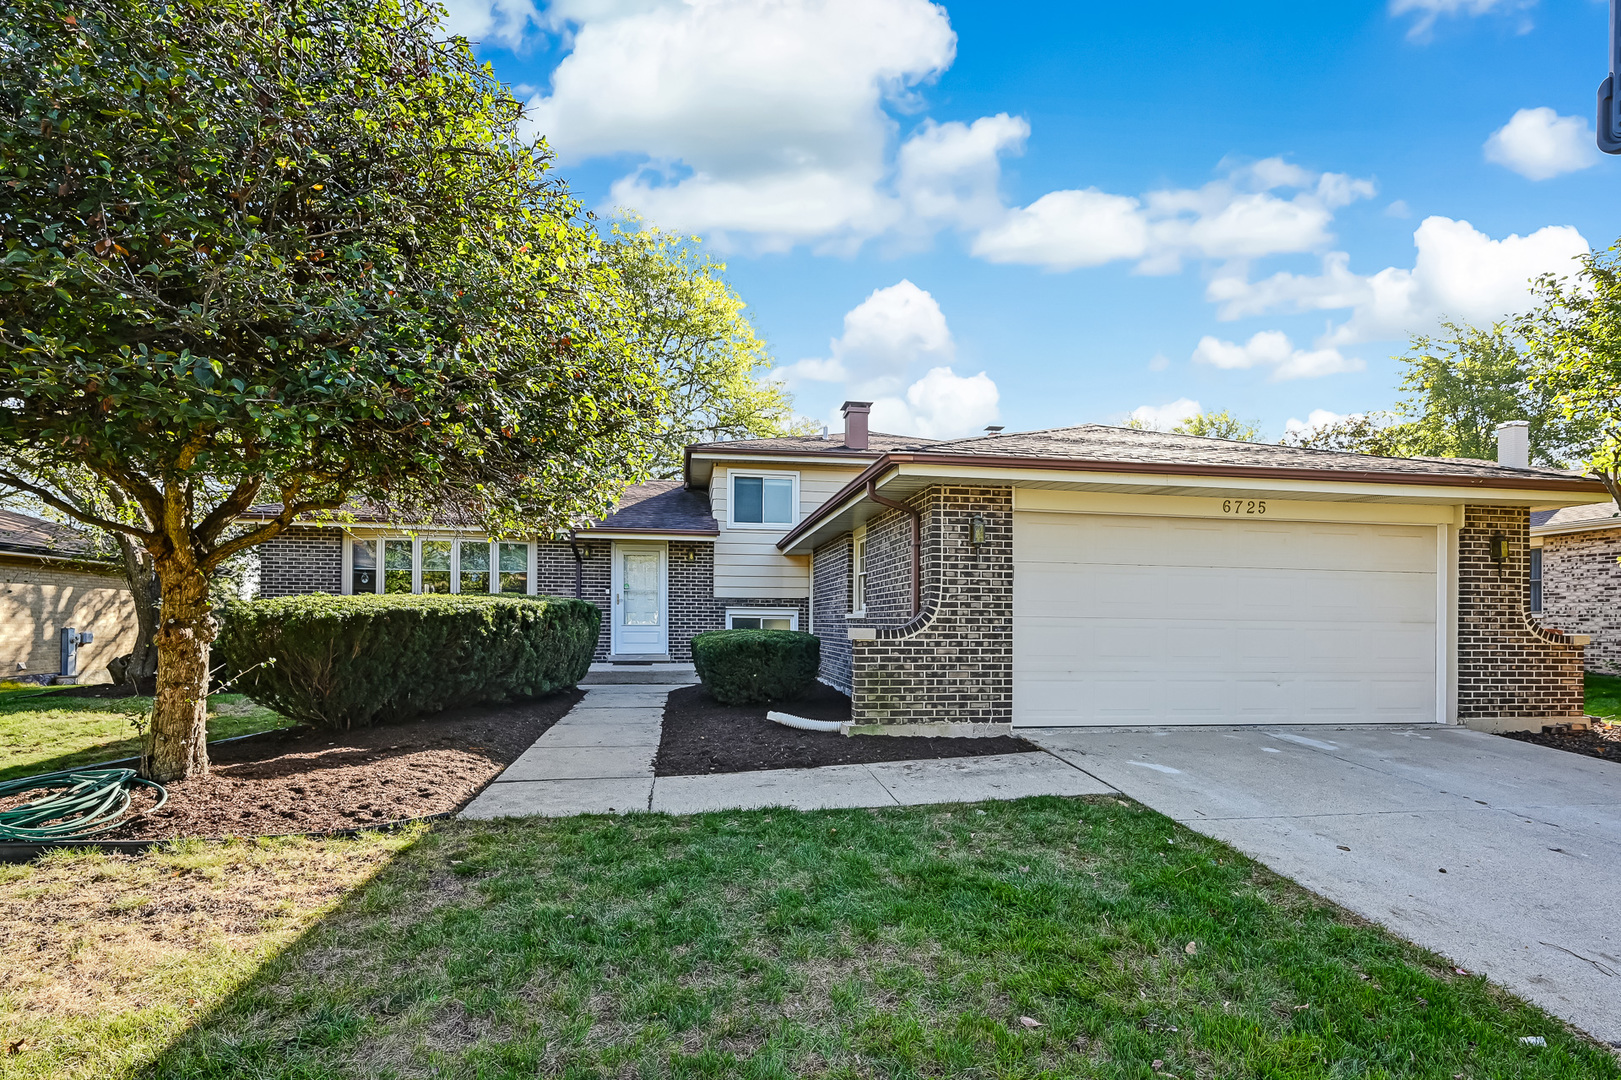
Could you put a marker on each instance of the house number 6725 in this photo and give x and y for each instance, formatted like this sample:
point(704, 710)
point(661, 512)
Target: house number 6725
point(1243, 506)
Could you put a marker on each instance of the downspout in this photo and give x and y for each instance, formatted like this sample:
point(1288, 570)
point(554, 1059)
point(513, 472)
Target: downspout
point(917, 542)
point(579, 566)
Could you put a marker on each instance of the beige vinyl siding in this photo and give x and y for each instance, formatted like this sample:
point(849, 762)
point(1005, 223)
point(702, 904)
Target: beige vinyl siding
point(747, 562)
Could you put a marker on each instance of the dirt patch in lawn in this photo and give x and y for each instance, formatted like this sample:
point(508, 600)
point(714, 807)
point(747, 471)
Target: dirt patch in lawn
point(703, 736)
point(306, 779)
point(1603, 741)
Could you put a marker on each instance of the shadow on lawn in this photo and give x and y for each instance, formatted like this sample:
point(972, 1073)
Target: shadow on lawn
point(1045, 937)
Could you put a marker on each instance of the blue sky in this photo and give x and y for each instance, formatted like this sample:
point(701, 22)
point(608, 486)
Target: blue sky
point(1039, 215)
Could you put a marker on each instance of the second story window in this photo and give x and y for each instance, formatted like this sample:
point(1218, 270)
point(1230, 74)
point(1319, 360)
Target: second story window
point(759, 499)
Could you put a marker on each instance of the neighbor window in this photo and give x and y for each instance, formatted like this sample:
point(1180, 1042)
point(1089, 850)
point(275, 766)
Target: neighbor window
point(858, 583)
point(397, 567)
point(762, 500)
point(362, 566)
point(475, 566)
point(1536, 579)
point(436, 566)
point(762, 620)
point(514, 567)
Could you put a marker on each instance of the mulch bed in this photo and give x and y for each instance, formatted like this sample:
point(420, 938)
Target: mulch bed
point(703, 736)
point(308, 779)
point(1604, 741)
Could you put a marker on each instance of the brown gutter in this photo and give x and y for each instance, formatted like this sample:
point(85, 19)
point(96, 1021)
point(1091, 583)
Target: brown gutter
point(1573, 484)
point(917, 541)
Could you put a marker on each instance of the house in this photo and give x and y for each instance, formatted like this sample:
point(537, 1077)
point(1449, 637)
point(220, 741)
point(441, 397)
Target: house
point(1083, 575)
point(52, 578)
point(1576, 577)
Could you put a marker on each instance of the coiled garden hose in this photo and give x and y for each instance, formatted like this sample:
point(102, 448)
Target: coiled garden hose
point(83, 803)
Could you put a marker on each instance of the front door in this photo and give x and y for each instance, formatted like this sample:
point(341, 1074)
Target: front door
point(640, 611)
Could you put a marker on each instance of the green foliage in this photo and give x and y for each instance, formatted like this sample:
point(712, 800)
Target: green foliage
point(1576, 337)
point(1219, 425)
point(1460, 386)
point(349, 661)
point(751, 667)
point(712, 365)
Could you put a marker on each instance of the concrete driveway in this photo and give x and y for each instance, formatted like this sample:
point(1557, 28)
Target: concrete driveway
point(1529, 838)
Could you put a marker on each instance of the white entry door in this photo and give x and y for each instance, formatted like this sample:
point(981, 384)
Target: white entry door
point(640, 600)
point(1142, 620)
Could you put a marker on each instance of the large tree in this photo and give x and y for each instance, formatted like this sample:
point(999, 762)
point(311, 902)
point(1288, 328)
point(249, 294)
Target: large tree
point(1575, 335)
point(291, 252)
point(713, 366)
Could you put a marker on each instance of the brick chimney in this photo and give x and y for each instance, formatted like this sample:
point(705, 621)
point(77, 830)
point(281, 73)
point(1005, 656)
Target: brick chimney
point(855, 423)
point(1514, 443)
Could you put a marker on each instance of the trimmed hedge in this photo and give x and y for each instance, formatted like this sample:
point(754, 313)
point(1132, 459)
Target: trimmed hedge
point(751, 667)
point(350, 661)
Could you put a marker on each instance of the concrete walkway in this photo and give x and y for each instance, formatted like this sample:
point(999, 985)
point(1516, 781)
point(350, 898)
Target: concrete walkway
point(1529, 839)
point(599, 760)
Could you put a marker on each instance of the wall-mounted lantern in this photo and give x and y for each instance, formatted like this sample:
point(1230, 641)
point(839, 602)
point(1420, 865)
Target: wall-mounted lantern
point(1499, 548)
point(976, 530)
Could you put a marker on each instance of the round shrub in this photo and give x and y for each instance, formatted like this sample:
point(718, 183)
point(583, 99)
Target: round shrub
point(751, 667)
point(350, 661)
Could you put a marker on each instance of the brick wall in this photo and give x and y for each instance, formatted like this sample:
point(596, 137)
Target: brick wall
point(38, 598)
point(830, 589)
point(303, 559)
point(1508, 666)
point(1581, 592)
point(954, 662)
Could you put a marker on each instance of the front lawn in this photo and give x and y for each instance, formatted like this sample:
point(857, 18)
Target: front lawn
point(1047, 937)
point(42, 731)
point(1603, 695)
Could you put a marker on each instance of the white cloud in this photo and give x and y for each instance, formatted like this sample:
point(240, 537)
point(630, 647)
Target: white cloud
point(1235, 218)
point(1167, 416)
point(1459, 272)
point(949, 173)
point(1399, 209)
point(1315, 420)
point(1273, 349)
point(496, 22)
point(1539, 144)
point(1428, 11)
point(888, 337)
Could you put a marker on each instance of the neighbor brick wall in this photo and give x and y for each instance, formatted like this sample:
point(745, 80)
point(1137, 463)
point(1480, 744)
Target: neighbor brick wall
point(1508, 666)
point(953, 662)
point(1581, 592)
point(830, 587)
point(303, 559)
point(39, 597)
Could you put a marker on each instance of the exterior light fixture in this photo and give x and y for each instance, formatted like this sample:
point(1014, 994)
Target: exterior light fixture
point(1499, 548)
point(976, 530)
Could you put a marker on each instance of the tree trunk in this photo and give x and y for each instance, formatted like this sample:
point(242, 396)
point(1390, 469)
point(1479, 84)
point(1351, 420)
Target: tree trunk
point(143, 659)
point(180, 710)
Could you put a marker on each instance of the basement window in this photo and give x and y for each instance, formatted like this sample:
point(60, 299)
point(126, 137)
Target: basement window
point(762, 619)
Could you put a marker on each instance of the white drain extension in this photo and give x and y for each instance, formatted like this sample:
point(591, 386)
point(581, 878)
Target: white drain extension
point(790, 720)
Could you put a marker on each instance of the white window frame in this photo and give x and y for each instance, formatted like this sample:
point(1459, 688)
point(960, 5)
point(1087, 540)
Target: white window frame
point(456, 541)
point(791, 614)
point(858, 572)
point(764, 474)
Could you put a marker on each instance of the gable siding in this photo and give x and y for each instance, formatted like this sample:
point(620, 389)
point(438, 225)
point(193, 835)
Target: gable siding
point(747, 562)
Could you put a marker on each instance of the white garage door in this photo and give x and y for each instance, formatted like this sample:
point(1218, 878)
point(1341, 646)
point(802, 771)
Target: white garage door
point(1140, 620)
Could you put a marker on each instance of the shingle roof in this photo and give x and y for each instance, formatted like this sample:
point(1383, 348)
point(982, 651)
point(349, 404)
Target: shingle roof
point(1096, 442)
point(1591, 516)
point(878, 442)
point(24, 535)
point(662, 506)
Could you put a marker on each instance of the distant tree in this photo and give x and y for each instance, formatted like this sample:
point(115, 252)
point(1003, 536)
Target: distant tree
point(1575, 335)
point(713, 366)
point(1378, 433)
point(1219, 425)
point(264, 250)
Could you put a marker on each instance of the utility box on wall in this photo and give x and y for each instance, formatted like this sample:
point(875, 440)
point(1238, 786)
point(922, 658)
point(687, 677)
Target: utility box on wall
point(68, 670)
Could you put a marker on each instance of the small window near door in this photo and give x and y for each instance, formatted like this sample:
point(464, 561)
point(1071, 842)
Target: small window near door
point(397, 566)
point(436, 566)
point(762, 500)
point(514, 566)
point(1536, 579)
point(362, 565)
point(474, 571)
point(762, 620)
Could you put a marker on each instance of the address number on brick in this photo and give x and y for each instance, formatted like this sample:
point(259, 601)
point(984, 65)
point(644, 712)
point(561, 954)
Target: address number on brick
point(1247, 507)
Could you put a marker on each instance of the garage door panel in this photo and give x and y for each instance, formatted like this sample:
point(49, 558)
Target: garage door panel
point(1168, 621)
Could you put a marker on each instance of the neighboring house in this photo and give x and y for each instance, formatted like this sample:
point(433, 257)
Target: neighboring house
point(52, 578)
point(1085, 575)
point(1576, 579)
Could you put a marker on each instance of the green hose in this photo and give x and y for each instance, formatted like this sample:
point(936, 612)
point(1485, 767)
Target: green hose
point(84, 803)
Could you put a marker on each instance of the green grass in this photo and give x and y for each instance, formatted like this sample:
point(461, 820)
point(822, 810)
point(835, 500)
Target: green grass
point(42, 732)
point(890, 943)
point(1603, 695)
